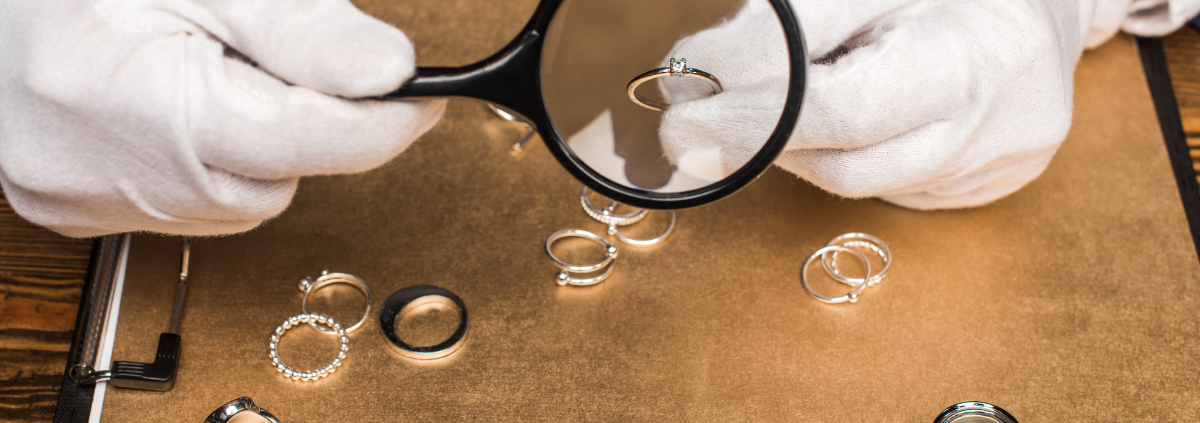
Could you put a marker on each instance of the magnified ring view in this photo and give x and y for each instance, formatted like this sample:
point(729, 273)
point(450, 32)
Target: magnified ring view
point(678, 68)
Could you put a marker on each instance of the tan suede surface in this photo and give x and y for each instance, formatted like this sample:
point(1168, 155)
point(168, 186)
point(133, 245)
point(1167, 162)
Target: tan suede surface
point(1074, 299)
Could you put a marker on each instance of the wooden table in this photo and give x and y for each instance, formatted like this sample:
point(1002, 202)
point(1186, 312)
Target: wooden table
point(42, 273)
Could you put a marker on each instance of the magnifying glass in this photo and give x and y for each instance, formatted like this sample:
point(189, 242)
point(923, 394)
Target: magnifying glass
point(568, 72)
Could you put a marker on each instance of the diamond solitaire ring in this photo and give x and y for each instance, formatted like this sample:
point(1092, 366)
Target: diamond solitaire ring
point(677, 68)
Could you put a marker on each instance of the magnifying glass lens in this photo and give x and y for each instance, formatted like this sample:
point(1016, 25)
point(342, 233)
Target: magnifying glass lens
point(703, 106)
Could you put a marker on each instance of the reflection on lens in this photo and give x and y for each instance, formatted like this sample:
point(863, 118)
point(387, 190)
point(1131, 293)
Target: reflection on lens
point(596, 48)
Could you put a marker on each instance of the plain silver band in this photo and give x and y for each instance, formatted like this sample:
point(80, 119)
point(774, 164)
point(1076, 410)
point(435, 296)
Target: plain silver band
point(226, 412)
point(615, 231)
point(661, 72)
point(852, 296)
point(564, 276)
point(412, 307)
point(870, 242)
point(605, 215)
point(335, 278)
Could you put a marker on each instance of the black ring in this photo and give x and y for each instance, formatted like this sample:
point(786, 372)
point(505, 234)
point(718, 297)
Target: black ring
point(399, 299)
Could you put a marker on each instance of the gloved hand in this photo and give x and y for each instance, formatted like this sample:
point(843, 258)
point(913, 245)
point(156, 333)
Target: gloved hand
point(119, 115)
point(924, 103)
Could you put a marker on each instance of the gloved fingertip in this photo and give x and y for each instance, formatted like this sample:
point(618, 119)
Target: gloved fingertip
point(375, 65)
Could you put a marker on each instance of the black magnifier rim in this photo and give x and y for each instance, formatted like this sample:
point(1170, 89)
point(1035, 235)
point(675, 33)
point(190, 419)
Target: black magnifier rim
point(399, 299)
point(507, 77)
point(798, 57)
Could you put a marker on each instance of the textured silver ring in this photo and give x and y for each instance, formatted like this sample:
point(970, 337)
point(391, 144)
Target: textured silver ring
point(615, 231)
point(860, 241)
point(564, 276)
point(677, 68)
point(852, 296)
point(312, 374)
point(244, 404)
point(309, 286)
point(606, 215)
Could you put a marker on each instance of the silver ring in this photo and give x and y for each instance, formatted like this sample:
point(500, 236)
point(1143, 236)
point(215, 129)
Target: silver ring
point(860, 241)
point(313, 374)
point(852, 296)
point(605, 215)
point(406, 300)
point(564, 277)
point(226, 412)
point(965, 410)
point(677, 68)
point(615, 231)
point(309, 286)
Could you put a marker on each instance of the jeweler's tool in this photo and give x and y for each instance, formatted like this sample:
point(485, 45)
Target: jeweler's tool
point(159, 375)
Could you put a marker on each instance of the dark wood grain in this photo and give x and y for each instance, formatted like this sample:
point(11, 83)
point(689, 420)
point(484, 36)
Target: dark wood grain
point(1183, 61)
point(41, 280)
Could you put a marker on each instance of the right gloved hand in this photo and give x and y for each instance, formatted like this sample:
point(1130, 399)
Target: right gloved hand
point(120, 116)
point(924, 103)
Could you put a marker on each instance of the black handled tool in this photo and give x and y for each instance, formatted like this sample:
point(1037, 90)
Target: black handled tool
point(159, 375)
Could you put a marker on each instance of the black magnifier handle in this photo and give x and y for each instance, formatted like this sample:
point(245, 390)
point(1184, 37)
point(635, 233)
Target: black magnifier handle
point(509, 78)
point(159, 375)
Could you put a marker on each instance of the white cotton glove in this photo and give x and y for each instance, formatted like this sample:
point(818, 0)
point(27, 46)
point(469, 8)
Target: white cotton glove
point(936, 104)
point(132, 115)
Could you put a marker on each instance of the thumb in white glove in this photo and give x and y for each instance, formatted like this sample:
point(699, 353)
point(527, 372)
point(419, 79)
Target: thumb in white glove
point(923, 103)
point(130, 115)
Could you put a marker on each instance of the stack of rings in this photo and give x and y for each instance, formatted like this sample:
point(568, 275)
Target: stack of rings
point(848, 243)
point(615, 221)
point(308, 286)
point(565, 274)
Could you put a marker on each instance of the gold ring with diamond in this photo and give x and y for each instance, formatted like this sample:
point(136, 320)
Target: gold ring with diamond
point(677, 68)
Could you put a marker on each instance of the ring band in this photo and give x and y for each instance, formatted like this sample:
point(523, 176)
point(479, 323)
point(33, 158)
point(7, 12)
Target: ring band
point(677, 68)
point(309, 286)
point(605, 215)
point(615, 231)
point(858, 240)
point(852, 296)
point(564, 277)
point(313, 374)
point(226, 412)
point(410, 298)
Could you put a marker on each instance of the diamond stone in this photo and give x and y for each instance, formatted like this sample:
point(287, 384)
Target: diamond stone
point(678, 67)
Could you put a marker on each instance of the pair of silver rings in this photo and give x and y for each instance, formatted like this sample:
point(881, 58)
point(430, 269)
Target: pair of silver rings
point(852, 243)
point(565, 277)
point(614, 222)
point(331, 326)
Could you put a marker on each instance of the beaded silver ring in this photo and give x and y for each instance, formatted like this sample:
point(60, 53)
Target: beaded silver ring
point(312, 374)
point(606, 215)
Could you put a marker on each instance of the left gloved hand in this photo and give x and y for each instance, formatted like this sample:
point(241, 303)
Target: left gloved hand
point(139, 115)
